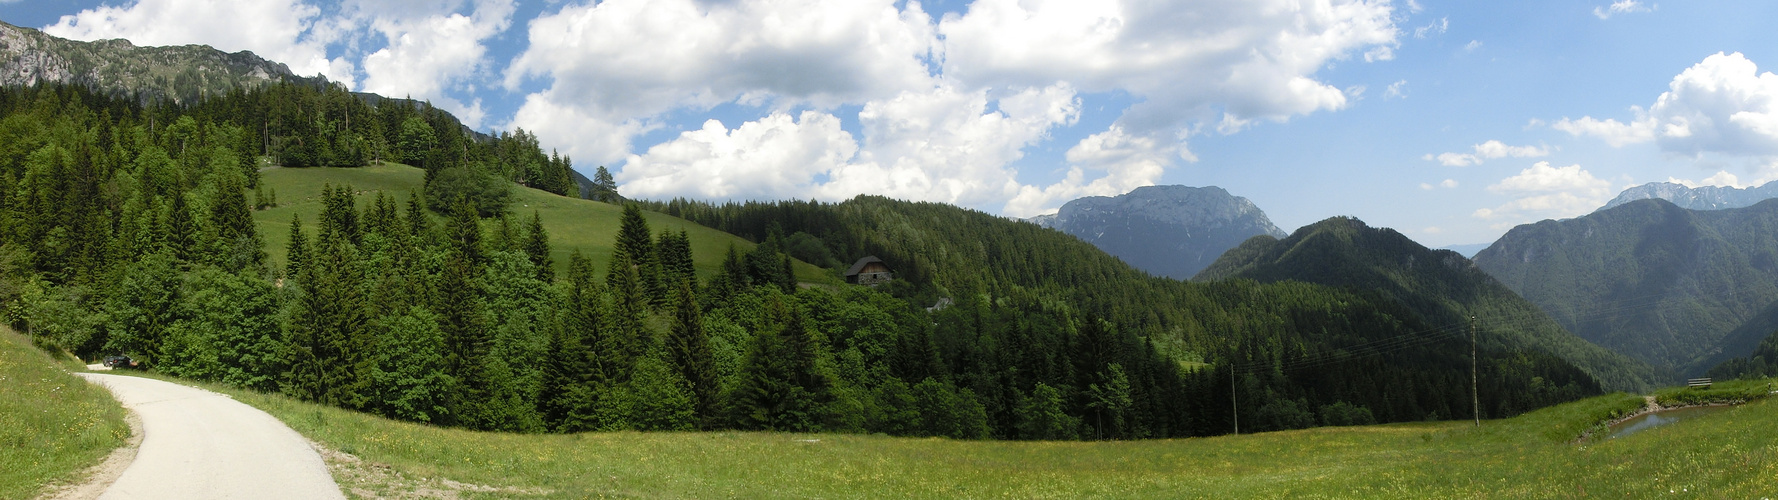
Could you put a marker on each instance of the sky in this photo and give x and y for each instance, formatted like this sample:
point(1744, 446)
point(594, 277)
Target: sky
point(1451, 122)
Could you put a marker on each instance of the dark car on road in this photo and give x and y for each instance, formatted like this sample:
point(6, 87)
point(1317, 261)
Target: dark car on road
point(120, 362)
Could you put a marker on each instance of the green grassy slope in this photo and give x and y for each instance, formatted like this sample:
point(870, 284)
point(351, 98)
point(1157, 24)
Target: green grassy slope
point(1731, 454)
point(52, 424)
point(573, 224)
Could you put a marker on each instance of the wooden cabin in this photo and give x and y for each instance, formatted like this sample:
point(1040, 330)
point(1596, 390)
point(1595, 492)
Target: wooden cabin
point(869, 271)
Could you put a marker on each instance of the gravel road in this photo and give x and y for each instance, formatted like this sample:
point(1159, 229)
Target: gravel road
point(199, 444)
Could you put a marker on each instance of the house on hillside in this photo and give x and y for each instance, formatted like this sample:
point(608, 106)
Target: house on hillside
point(869, 271)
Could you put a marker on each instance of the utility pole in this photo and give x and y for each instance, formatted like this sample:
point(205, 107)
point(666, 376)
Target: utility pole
point(1236, 404)
point(1474, 393)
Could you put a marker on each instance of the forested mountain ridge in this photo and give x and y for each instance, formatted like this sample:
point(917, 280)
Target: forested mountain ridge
point(1171, 231)
point(1648, 279)
point(183, 74)
point(1440, 286)
point(1304, 352)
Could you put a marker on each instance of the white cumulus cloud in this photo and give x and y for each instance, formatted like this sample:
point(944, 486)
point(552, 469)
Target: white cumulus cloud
point(1543, 191)
point(1487, 151)
point(1720, 105)
point(1226, 62)
point(430, 51)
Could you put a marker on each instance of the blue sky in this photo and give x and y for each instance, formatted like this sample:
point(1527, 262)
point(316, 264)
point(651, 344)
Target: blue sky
point(1449, 121)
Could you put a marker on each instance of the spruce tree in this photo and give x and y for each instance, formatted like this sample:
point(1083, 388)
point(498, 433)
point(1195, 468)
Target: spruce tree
point(537, 248)
point(182, 231)
point(781, 387)
point(689, 351)
point(626, 339)
point(297, 252)
point(419, 227)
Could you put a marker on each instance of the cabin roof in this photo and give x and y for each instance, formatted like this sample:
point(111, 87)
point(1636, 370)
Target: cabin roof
point(858, 267)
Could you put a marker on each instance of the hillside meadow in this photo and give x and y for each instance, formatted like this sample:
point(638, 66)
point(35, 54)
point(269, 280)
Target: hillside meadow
point(573, 224)
point(1731, 454)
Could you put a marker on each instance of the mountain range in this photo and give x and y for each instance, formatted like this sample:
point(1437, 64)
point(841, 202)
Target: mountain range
point(1172, 231)
point(1696, 198)
point(182, 74)
point(1649, 279)
point(1441, 286)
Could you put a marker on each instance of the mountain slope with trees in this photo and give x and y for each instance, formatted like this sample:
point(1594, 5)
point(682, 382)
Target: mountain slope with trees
point(1440, 286)
point(1659, 283)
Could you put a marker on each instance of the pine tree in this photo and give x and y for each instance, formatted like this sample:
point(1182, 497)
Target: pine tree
point(466, 233)
point(689, 351)
point(604, 187)
point(419, 227)
point(331, 347)
point(182, 231)
point(626, 338)
point(537, 248)
point(297, 252)
point(233, 221)
point(780, 386)
point(576, 376)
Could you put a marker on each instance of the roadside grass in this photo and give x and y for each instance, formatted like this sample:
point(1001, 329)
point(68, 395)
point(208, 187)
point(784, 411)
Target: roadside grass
point(573, 224)
point(1733, 454)
point(53, 425)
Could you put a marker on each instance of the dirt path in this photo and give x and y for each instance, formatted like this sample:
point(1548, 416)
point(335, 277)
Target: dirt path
point(198, 444)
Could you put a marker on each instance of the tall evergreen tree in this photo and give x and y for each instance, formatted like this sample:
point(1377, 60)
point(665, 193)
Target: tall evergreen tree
point(604, 187)
point(537, 248)
point(688, 348)
point(627, 339)
point(296, 254)
point(781, 387)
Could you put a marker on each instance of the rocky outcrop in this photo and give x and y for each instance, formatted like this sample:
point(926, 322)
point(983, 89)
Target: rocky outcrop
point(1698, 198)
point(181, 73)
point(1172, 231)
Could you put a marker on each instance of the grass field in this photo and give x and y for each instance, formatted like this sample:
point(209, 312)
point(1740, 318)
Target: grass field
point(53, 425)
point(573, 224)
point(1733, 454)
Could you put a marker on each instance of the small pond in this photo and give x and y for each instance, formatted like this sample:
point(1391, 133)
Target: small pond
point(1656, 419)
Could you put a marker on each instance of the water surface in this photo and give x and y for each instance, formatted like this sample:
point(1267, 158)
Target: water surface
point(1656, 419)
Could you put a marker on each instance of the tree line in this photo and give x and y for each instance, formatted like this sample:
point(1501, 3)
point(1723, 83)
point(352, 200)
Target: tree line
point(128, 230)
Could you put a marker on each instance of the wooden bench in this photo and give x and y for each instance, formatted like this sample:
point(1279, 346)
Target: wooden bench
point(1698, 382)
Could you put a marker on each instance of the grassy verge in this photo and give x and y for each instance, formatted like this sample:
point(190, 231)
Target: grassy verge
point(1732, 454)
point(53, 425)
point(1726, 392)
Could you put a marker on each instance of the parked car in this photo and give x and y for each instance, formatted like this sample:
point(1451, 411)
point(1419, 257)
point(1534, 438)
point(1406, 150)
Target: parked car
point(121, 361)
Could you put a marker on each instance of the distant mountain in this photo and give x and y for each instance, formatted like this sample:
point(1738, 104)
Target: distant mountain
point(182, 74)
point(1172, 231)
point(1468, 250)
point(1443, 287)
point(1648, 279)
point(1698, 198)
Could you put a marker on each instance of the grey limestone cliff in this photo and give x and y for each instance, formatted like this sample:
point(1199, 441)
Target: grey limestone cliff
point(1172, 231)
point(1698, 198)
point(179, 73)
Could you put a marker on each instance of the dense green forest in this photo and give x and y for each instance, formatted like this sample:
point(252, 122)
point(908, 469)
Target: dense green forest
point(1303, 352)
point(1762, 363)
point(1662, 284)
point(1439, 285)
point(128, 230)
